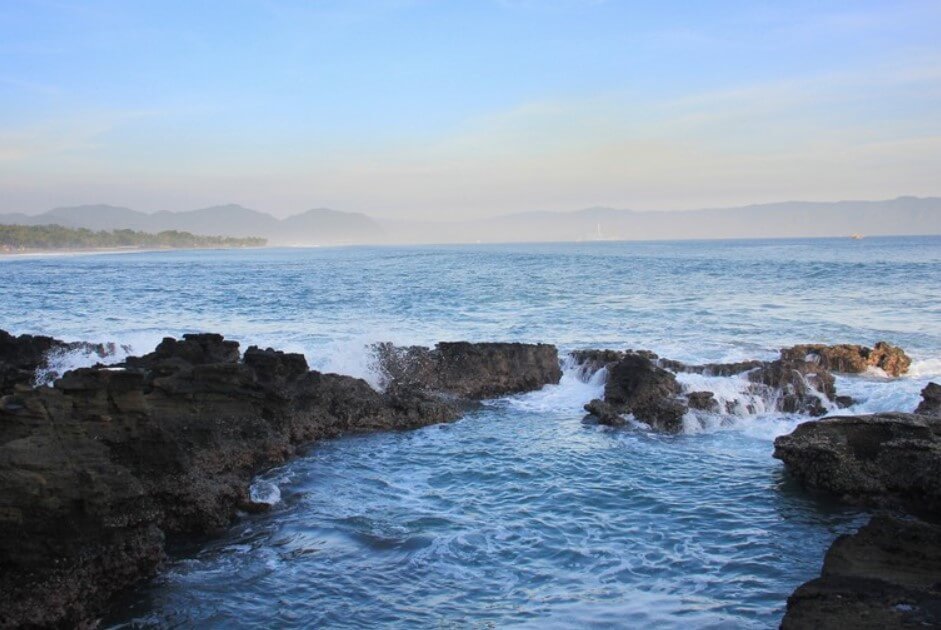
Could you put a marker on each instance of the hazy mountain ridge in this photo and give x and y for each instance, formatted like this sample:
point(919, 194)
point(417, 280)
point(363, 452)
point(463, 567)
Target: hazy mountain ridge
point(321, 226)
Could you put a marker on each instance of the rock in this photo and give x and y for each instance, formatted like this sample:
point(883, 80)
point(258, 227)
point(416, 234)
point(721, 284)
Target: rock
point(702, 401)
point(930, 404)
point(471, 370)
point(591, 361)
point(636, 385)
point(600, 412)
point(194, 349)
point(851, 359)
point(99, 468)
point(23, 357)
point(884, 576)
point(889, 459)
point(797, 386)
point(710, 369)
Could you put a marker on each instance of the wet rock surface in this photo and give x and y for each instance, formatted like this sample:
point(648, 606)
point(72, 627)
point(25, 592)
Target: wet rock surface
point(23, 356)
point(850, 358)
point(886, 575)
point(930, 404)
point(471, 370)
point(889, 459)
point(98, 469)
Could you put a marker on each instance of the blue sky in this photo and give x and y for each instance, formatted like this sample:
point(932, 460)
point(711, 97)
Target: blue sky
point(450, 109)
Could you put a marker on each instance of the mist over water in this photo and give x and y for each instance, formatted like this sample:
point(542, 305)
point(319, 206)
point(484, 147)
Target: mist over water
point(517, 515)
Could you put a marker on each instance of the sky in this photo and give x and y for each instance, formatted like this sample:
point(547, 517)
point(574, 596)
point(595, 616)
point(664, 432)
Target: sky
point(456, 109)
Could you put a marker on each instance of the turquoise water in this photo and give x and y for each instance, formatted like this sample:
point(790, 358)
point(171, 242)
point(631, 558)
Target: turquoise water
point(517, 515)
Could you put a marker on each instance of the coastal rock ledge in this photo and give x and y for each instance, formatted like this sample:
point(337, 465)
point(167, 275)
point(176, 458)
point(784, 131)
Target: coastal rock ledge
point(98, 469)
point(888, 574)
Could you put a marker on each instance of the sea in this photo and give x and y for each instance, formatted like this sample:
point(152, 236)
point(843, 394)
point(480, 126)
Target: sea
point(517, 515)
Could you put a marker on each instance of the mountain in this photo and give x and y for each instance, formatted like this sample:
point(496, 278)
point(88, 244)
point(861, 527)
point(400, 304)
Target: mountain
point(314, 227)
point(904, 215)
point(901, 216)
point(331, 225)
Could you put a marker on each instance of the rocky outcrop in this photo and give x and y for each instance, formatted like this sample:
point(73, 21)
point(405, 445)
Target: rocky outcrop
point(889, 459)
point(795, 386)
point(710, 369)
point(637, 386)
point(99, 468)
point(470, 370)
point(930, 404)
point(21, 358)
point(886, 575)
point(851, 359)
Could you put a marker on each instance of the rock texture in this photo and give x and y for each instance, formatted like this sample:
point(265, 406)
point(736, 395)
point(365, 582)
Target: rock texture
point(851, 359)
point(930, 404)
point(22, 357)
point(637, 386)
point(890, 459)
point(886, 575)
point(99, 468)
point(795, 386)
point(471, 370)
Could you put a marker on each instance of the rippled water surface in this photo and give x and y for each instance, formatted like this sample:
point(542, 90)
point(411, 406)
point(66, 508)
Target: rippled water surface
point(517, 515)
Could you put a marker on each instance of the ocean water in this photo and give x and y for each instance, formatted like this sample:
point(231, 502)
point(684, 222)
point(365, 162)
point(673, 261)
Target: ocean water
point(518, 515)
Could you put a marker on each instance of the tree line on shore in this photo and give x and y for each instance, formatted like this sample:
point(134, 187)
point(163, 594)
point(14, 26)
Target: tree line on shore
point(40, 237)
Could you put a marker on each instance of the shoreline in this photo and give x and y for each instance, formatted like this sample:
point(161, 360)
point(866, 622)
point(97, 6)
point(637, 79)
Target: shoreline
point(33, 253)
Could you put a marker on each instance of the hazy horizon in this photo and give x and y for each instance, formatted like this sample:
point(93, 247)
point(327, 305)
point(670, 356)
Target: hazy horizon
point(422, 109)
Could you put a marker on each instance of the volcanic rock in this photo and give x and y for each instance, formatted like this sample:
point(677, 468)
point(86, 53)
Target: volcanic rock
point(471, 370)
point(886, 575)
point(889, 459)
point(930, 404)
point(636, 385)
point(797, 386)
point(851, 359)
point(97, 469)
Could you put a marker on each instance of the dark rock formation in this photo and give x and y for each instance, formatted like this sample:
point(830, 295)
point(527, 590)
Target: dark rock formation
point(637, 386)
point(890, 459)
point(930, 404)
point(593, 360)
point(710, 369)
point(851, 359)
point(887, 575)
point(471, 370)
point(600, 412)
point(702, 401)
point(797, 386)
point(21, 357)
point(97, 469)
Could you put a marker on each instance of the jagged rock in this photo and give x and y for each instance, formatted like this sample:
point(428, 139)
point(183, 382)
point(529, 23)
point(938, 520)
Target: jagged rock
point(887, 575)
point(796, 385)
point(710, 369)
point(851, 359)
point(890, 459)
point(194, 349)
point(930, 404)
point(600, 412)
point(471, 370)
point(702, 401)
point(98, 468)
point(636, 385)
point(22, 357)
point(593, 360)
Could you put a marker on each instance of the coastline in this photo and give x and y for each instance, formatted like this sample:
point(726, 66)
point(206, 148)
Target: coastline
point(35, 253)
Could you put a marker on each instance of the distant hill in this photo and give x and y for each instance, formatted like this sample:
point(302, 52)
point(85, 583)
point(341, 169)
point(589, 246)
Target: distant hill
point(314, 227)
point(904, 215)
point(25, 238)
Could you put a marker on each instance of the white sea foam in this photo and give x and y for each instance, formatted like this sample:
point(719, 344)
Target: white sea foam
point(262, 491)
point(573, 390)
